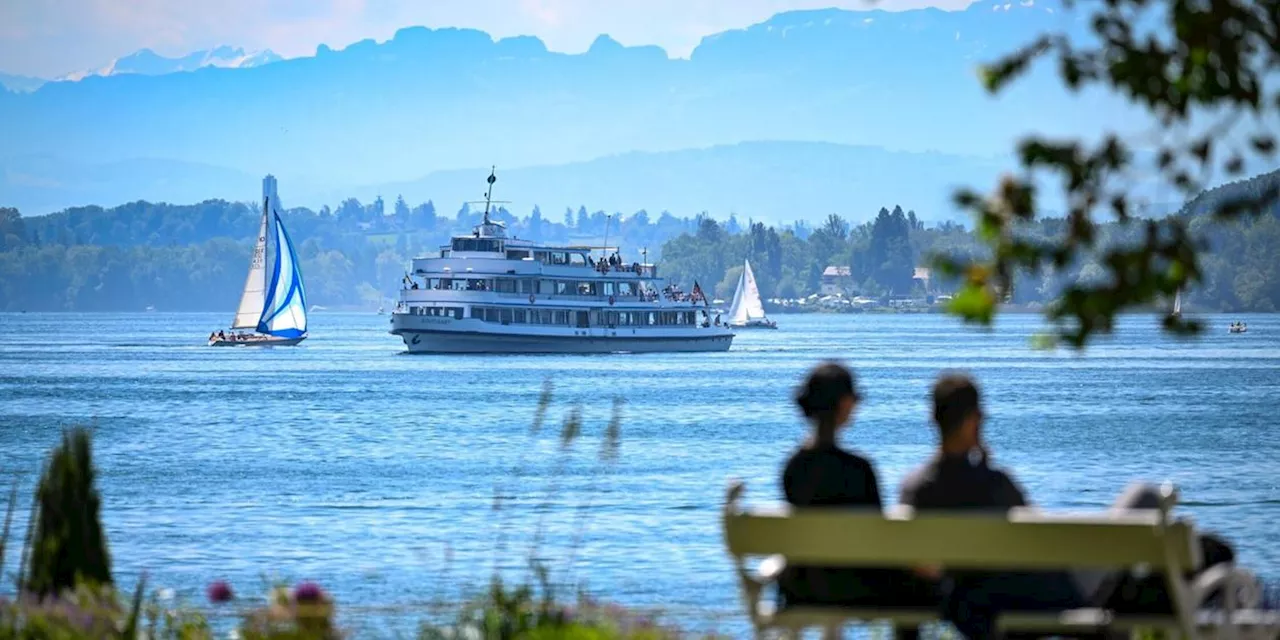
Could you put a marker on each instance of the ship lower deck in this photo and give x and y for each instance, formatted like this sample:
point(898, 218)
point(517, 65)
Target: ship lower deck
point(466, 337)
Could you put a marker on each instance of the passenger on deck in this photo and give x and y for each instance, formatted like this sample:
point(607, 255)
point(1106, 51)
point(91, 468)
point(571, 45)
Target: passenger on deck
point(960, 477)
point(823, 475)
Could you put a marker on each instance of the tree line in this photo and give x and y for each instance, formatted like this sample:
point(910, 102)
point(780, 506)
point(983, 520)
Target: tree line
point(194, 257)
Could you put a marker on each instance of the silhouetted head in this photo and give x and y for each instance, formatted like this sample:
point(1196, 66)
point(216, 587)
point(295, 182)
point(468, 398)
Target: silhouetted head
point(957, 411)
point(827, 397)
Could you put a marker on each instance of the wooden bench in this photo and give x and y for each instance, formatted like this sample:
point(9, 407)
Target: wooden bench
point(1024, 540)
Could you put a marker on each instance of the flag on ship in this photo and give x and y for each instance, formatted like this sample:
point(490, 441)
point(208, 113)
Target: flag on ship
point(698, 295)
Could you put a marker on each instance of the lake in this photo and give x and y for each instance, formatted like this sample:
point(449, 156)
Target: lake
point(374, 472)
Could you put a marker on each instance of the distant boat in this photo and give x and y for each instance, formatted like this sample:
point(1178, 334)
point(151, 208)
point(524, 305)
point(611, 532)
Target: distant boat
point(1237, 327)
point(380, 310)
point(151, 308)
point(747, 311)
point(1177, 304)
point(277, 315)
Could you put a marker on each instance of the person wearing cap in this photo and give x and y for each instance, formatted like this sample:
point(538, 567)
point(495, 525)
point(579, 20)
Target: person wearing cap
point(821, 474)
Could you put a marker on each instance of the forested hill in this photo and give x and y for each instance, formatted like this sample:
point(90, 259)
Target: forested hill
point(194, 257)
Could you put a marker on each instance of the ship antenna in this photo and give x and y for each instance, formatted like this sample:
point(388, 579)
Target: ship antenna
point(489, 192)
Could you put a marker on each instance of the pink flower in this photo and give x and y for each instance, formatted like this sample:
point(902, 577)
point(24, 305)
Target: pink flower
point(220, 592)
point(308, 593)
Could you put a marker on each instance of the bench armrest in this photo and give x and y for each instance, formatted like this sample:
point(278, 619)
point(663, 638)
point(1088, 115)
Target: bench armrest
point(1240, 588)
point(770, 570)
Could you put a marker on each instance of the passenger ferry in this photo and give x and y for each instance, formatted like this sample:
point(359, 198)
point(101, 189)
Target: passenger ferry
point(489, 293)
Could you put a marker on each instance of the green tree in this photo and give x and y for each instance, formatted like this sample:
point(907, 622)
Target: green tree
point(1198, 69)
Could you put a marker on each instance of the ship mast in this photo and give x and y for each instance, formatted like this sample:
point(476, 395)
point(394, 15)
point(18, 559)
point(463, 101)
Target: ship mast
point(488, 193)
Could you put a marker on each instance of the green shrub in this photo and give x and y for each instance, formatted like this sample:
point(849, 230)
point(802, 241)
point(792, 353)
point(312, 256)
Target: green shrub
point(69, 547)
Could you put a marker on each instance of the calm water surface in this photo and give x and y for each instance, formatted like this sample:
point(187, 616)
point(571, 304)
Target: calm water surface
point(374, 472)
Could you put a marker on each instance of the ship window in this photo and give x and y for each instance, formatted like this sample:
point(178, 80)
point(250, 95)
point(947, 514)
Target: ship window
point(517, 254)
point(546, 287)
point(477, 285)
point(562, 287)
point(587, 289)
point(540, 256)
point(519, 317)
point(626, 289)
point(608, 288)
point(577, 260)
point(558, 258)
point(561, 317)
point(506, 316)
point(504, 285)
point(526, 286)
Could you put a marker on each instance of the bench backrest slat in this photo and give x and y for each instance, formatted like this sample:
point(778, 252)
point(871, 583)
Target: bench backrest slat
point(1023, 540)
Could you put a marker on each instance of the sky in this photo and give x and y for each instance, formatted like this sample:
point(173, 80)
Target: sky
point(53, 38)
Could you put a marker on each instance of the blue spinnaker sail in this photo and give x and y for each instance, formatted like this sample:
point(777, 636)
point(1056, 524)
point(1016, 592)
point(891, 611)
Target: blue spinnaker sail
point(284, 314)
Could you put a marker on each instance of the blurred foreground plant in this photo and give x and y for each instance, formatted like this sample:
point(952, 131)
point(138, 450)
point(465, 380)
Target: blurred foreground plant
point(1197, 68)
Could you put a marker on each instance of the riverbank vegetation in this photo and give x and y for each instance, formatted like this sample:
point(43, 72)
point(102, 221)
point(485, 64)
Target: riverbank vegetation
point(193, 258)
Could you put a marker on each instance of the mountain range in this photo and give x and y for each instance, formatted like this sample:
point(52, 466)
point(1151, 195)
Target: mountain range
point(879, 105)
point(149, 63)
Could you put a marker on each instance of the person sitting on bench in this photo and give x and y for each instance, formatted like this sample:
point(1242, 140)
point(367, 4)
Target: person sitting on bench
point(822, 474)
point(961, 477)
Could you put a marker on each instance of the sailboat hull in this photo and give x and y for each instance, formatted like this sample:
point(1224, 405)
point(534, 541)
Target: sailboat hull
point(754, 325)
point(258, 341)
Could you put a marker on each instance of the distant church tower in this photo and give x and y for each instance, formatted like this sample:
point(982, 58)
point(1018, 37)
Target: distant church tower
point(269, 191)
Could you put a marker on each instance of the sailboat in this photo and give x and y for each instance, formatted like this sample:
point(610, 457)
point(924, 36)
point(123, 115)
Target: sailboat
point(276, 313)
point(1177, 304)
point(747, 312)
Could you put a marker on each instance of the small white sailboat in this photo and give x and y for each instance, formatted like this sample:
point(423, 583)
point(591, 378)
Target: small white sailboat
point(276, 314)
point(1177, 304)
point(1237, 327)
point(747, 311)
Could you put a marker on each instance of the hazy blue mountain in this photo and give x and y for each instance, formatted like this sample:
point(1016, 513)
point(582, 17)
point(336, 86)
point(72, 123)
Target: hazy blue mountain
point(430, 100)
point(776, 181)
point(149, 63)
point(41, 184)
point(19, 84)
point(771, 181)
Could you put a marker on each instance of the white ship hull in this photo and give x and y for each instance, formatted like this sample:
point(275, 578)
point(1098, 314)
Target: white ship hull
point(489, 293)
point(463, 336)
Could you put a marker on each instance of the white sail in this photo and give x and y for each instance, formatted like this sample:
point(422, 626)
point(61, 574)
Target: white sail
point(751, 294)
point(1177, 303)
point(746, 299)
point(285, 311)
point(255, 285)
point(737, 312)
